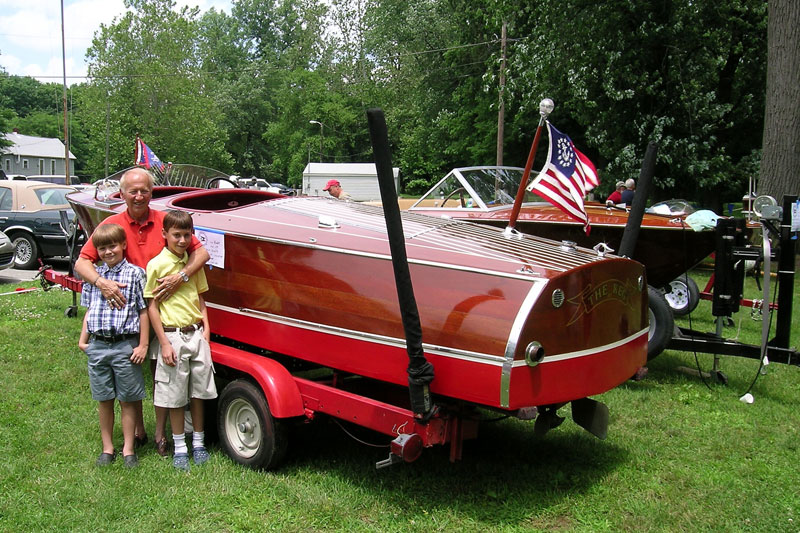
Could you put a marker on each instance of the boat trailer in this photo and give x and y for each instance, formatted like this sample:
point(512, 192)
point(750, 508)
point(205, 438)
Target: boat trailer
point(729, 269)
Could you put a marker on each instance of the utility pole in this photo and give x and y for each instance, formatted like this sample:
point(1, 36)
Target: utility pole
point(66, 131)
point(501, 111)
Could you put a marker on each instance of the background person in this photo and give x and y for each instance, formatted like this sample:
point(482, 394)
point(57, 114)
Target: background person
point(334, 188)
point(616, 197)
point(143, 228)
point(628, 193)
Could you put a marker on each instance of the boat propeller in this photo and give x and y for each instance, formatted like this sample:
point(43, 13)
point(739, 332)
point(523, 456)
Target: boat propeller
point(548, 419)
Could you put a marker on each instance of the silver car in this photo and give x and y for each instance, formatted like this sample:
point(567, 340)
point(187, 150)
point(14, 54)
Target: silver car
point(6, 252)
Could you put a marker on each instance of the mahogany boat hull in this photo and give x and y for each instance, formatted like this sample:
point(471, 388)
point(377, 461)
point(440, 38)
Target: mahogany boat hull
point(490, 305)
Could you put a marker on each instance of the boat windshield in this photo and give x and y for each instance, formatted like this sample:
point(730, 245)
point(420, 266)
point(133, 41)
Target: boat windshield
point(672, 207)
point(476, 187)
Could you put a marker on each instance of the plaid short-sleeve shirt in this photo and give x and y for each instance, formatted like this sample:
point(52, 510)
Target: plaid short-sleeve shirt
point(105, 320)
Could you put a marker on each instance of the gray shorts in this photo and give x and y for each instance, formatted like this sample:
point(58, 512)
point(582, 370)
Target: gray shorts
point(111, 373)
point(191, 377)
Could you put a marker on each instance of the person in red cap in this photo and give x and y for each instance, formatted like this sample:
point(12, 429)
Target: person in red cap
point(334, 188)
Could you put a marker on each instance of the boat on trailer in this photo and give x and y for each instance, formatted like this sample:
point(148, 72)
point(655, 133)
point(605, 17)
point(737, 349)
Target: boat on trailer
point(305, 318)
point(667, 246)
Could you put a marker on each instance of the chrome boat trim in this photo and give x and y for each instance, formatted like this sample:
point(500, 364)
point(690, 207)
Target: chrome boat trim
point(588, 352)
point(443, 351)
point(513, 338)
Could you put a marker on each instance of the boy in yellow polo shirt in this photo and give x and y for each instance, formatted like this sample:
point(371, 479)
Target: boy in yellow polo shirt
point(184, 369)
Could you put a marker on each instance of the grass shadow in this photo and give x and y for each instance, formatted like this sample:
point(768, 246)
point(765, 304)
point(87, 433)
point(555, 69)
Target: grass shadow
point(502, 471)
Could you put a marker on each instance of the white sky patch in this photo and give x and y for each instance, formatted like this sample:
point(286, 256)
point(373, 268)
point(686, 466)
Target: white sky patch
point(30, 34)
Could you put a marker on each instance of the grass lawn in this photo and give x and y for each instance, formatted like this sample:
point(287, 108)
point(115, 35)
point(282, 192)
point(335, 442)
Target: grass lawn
point(681, 455)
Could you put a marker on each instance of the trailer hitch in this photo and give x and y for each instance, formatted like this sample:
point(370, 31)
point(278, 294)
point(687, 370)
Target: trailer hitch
point(405, 448)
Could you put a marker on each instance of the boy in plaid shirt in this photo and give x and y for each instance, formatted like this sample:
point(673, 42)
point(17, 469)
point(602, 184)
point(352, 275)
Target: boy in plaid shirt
point(115, 341)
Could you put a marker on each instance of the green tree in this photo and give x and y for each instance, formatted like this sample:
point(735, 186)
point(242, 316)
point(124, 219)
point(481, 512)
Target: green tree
point(148, 80)
point(781, 155)
point(273, 96)
point(432, 60)
point(687, 75)
point(26, 95)
point(5, 118)
point(36, 109)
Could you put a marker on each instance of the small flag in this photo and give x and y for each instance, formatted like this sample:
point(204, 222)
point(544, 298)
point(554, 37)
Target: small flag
point(145, 156)
point(566, 177)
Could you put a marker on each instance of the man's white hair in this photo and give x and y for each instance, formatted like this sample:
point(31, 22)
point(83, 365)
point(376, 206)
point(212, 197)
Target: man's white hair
point(133, 171)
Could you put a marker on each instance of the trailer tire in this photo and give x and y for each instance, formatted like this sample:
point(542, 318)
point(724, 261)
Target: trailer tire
point(662, 323)
point(247, 431)
point(682, 295)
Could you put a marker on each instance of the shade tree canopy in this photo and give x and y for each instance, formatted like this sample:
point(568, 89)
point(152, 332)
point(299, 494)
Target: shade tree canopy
point(237, 92)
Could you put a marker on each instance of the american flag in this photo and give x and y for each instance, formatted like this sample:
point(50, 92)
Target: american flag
point(145, 156)
point(566, 177)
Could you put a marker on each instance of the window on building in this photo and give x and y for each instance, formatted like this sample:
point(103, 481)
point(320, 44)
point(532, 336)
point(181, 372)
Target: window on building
point(52, 166)
point(8, 165)
point(41, 166)
point(24, 164)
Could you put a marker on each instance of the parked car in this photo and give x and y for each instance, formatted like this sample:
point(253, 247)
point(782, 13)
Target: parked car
point(283, 189)
point(262, 185)
point(31, 216)
point(59, 179)
point(6, 252)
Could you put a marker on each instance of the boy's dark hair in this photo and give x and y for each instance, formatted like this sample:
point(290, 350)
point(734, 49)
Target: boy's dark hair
point(179, 220)
point(107, 234)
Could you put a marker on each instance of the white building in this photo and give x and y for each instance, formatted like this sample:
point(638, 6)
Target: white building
point(359, 180)
point(30, 156)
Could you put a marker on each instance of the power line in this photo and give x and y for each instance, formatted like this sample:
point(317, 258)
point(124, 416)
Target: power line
point(266, 68)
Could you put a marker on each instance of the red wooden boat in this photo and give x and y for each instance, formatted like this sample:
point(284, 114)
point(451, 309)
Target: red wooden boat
point(513, 324)
point(667, 246)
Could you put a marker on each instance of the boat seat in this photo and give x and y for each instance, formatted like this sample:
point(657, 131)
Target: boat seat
point(170, 190)
point(222, 199)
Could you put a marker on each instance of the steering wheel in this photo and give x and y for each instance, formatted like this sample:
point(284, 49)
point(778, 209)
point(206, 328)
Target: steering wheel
point(220, 179)
point(460, 190)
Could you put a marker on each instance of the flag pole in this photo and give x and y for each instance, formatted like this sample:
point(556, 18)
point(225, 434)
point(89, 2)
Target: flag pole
point(545, 108)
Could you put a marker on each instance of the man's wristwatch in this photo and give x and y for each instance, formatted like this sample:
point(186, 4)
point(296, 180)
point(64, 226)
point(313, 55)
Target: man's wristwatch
point(184, 276)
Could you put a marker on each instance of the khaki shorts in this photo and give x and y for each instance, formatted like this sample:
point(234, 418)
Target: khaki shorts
point(193, 373)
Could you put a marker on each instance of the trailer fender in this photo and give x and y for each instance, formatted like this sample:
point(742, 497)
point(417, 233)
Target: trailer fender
point(275, 381)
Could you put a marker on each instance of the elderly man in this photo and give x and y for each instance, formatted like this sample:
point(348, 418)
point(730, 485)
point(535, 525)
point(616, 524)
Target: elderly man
point(334, 188)
point(628, 193)
point(142, 227)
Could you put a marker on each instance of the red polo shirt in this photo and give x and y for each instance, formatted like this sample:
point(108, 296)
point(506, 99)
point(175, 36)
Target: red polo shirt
point(615, 197)
point(145, 240)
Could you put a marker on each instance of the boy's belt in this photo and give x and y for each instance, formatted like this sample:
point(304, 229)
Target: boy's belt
point(111, 339)
point(186, 329)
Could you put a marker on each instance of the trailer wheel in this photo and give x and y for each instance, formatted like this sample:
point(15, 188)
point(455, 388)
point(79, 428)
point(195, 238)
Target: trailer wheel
point(682, 295)
point(247, 431)
point(662, 323)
